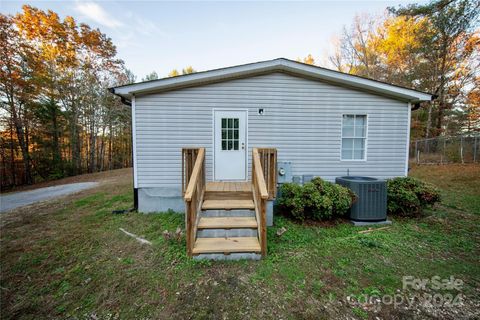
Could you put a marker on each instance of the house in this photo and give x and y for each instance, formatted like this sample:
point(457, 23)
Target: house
point(197, 137)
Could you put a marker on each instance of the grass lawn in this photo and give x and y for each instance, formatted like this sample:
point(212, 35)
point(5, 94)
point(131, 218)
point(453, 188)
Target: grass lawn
point(68, 259)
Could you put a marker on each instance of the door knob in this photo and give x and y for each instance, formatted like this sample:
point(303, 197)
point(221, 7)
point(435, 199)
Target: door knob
point(243, 145)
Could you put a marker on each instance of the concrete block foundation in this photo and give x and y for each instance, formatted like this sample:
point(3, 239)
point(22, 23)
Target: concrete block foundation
point(162, 199)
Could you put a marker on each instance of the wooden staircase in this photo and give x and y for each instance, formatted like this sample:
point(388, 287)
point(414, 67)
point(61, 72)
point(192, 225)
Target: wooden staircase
point(224, 218)
point(226, 198)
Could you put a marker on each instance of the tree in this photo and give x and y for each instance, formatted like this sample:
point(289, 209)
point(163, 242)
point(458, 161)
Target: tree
point(58, 114)
point(49, 122)
point(127, 77)
point(400, 45)
point(307, 60)
point(473, 109)
point(75, 59)
point(356, 52)
point(186, 70)
point(431, 48)
point(16, 68)
point(453, 23)
point(151, 76)
point(173, 73)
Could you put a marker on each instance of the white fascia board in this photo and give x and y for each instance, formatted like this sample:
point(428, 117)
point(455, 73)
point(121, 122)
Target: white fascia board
point(197, 78)
point(269, 66)
point(357, 82)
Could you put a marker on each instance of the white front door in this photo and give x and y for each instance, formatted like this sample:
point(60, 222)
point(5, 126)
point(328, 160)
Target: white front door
point(230, 160)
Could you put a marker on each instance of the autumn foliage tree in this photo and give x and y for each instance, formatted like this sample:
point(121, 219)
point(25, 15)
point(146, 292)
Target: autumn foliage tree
point(309, 59)
point(58, 112)
point(472, 122)
point(186, 70)
point(17, 87)
point(432, 47)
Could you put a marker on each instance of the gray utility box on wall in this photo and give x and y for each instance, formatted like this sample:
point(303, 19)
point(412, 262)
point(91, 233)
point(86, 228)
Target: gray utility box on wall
point(284, 171)
point(371, 205)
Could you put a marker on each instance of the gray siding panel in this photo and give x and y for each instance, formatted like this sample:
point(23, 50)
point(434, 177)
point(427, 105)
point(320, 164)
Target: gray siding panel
point(302, 120)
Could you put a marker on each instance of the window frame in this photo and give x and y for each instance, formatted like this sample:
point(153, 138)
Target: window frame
point(234, 128)
point(366, 137)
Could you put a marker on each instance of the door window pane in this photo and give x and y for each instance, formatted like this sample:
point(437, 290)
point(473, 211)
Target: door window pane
point(230, 133)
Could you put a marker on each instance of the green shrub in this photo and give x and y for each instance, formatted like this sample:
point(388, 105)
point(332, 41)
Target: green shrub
point(317, 200)
point(291, 198)
point(342, 198)
point(408, 196)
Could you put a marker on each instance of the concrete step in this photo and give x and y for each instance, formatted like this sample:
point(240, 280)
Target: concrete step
point(226, 233)
point(228, 257)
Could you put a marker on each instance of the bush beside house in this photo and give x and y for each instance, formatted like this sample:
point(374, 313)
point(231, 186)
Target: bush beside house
point(323, 200)
point(316, 200)
point(409, 196)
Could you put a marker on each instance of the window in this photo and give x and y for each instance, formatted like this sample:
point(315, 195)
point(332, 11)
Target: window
point(354, 136)
point(230, 134)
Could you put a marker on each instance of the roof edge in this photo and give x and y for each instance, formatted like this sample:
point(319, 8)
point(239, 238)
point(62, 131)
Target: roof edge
point(281, 64)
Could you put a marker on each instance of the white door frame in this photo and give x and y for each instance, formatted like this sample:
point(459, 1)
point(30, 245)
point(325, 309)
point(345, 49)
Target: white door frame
point(246, 138)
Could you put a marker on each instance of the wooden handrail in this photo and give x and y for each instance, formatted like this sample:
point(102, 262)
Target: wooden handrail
point(194, 179)
point(260, 190)
point(268, 160)
point(195, 174)
point(189, 156)
point(259, 175)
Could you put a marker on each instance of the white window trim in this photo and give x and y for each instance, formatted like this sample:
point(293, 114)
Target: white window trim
point(365, 153)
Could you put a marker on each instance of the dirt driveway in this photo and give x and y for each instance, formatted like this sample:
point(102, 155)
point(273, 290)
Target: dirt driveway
point(49, 190)
point(19, 199)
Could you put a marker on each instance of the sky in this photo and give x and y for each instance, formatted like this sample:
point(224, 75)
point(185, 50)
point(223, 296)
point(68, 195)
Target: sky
point(161, 36)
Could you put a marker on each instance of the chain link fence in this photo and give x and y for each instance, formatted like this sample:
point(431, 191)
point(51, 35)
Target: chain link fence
point(443, 150)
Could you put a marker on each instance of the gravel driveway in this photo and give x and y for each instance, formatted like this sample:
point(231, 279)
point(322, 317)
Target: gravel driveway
point(19, 199)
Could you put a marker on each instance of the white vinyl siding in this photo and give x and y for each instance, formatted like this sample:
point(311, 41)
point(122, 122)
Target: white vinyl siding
point(354, 136)
point(303, 120)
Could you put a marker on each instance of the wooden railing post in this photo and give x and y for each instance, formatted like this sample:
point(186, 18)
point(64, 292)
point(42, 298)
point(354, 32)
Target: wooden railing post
point(268, 160)
point(193, 185)
point(260, 193)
